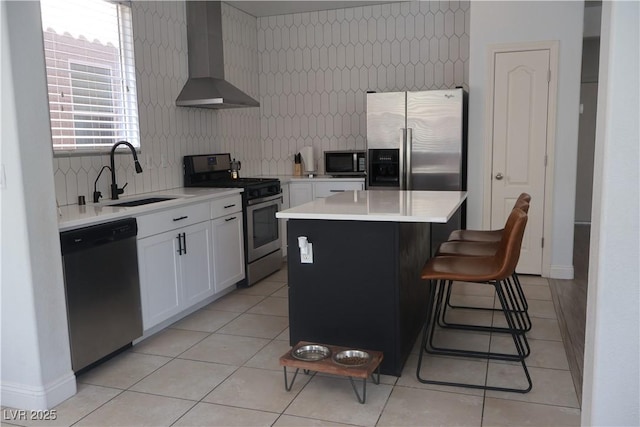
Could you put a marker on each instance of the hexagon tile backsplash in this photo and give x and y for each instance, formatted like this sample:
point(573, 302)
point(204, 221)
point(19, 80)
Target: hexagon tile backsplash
point(168, 132)
point(316, 67)
point(310, 71)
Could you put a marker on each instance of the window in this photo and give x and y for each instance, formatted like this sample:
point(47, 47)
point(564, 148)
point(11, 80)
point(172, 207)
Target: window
point(91, 82)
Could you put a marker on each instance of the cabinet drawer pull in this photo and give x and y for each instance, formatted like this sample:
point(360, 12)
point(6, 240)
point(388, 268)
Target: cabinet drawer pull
point(230, 219)
point(181, 218)
point(337, 191)
point(229, 206)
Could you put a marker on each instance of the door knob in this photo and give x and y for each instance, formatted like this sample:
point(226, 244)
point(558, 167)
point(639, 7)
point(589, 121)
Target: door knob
point(499, 176)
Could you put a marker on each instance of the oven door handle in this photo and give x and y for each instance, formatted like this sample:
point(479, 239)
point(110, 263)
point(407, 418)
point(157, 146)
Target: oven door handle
point(264, 200)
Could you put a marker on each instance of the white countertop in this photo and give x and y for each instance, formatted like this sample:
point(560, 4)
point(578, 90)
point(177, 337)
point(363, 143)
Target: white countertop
point(381, 205)
point(75, 216)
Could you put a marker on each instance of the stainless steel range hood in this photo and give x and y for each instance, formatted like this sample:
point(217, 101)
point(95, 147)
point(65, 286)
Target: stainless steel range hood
point(206, 87)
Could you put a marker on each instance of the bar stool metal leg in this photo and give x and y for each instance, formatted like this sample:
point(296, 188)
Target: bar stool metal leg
point(520, 305)
point(427, 336)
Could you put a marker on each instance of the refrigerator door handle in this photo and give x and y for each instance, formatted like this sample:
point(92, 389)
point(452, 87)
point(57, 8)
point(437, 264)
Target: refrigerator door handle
point(409, 147)
point(403, 154)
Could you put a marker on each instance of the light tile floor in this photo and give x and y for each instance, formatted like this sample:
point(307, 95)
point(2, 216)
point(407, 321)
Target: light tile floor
point(219, 367)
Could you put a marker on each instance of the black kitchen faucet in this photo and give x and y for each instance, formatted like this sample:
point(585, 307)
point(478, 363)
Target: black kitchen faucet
point(114, 187)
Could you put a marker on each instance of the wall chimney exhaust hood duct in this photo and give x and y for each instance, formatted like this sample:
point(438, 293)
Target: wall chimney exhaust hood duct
point(206, 86)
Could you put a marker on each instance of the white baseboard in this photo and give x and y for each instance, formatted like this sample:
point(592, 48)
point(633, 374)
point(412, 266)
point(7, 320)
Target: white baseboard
point(564, 272)
point(21, 396)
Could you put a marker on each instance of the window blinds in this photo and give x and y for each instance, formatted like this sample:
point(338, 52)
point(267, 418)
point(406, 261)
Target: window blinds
point(89, 58)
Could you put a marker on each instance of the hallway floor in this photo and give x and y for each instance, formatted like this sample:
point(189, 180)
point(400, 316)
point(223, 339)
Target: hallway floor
point(219, 367)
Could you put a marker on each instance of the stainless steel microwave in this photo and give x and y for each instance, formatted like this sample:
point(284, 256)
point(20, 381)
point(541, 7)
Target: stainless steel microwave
point(345, 163)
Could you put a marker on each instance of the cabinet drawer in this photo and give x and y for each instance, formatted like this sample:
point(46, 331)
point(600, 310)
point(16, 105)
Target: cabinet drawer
point(226, 205)
point(326, 189)
point(171, 219)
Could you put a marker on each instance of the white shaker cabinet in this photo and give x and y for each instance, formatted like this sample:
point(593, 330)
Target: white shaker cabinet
point(174, 252)
point(300, 193)
point(195, 267)
point(304, 191)
point(228, 242)
point(174, 271)
point(228, 251)
point(160, 281)
point(331, 187)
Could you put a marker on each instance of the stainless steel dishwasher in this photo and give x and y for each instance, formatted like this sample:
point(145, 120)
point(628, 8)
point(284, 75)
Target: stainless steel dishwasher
point(102, 288)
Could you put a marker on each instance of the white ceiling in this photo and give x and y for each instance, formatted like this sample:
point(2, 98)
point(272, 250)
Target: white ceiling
point(270, 8)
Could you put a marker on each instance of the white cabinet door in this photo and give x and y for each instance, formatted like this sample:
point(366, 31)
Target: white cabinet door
point(195, 263)
point(299, 193)
point(158, 262)
point(228, 251)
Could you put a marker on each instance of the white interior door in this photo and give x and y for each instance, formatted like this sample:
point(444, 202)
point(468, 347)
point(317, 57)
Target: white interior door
point(521, 103)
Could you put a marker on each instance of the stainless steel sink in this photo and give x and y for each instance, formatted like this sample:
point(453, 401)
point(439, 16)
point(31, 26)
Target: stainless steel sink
point(141, 202)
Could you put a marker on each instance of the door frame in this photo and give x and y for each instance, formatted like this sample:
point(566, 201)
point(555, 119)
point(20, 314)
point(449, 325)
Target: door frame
point(492, 50)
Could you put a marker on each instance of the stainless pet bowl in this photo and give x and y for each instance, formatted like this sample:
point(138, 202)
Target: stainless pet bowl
point(352, 358)
point(311, 352)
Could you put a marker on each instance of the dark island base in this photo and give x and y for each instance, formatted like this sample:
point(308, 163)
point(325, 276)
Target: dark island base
point(363, 289)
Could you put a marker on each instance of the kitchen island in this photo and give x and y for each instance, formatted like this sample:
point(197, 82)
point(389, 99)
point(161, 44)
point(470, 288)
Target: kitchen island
point(363, 288)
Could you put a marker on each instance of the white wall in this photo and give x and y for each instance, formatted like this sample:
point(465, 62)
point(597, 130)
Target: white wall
point(611, 394)
point(36, 364)
point(511, 22)
point(316, 67)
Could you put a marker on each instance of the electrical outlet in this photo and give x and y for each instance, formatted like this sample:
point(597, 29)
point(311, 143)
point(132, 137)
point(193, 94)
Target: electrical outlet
point(308, 257)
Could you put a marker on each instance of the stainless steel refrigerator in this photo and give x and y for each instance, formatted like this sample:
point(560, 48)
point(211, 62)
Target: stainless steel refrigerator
point(418, 141)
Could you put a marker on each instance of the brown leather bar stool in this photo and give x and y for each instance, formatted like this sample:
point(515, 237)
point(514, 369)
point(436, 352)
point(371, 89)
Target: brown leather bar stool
point(485, 243)
point(513, 290)
point(493, 270)
point(489, 235)
point(515, 293)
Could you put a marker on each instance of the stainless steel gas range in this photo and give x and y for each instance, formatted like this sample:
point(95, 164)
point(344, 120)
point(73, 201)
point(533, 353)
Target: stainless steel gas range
point(261, 200)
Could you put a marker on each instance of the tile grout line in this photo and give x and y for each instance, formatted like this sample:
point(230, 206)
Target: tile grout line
point(201, 400)
point(172, 358)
